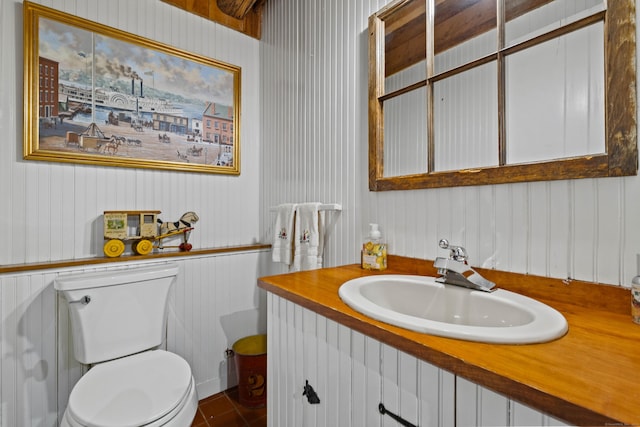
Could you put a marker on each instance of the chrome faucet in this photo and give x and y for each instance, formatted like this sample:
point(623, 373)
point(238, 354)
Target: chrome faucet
point(455, 270)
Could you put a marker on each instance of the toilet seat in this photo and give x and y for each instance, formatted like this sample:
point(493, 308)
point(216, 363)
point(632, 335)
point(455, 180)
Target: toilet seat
point(145, 389)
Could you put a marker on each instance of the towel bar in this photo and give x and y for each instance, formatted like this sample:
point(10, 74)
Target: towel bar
point(323, 207)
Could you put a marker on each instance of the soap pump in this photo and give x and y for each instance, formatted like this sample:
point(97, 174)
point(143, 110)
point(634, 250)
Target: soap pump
point(374, 250)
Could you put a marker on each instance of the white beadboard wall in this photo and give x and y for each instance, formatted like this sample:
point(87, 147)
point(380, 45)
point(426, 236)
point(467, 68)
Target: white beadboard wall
point(55, 209)
point(52, 211)
point(211, 305)
point(304, 138)
point(314, 128)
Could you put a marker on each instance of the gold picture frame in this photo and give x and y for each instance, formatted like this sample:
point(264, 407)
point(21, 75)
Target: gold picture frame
point(97, 95)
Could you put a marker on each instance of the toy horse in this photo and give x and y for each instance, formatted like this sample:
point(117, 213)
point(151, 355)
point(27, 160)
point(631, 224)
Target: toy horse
point(186, 221)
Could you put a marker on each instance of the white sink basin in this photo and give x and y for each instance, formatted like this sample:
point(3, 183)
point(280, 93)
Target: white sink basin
point(421, 304)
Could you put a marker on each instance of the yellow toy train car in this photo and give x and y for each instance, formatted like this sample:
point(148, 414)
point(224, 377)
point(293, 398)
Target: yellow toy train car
point(144, 230)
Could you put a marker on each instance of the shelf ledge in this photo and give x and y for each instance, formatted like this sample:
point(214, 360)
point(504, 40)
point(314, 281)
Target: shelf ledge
point(127, 258)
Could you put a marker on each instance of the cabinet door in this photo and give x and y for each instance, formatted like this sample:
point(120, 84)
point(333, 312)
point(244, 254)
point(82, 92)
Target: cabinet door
point(341, 365)
point(436, 392)
point(417, 391)
point(350, 373)
point(479, 406)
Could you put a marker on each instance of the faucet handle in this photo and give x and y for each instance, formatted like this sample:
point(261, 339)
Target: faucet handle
point(443, 243)
point(457, 253)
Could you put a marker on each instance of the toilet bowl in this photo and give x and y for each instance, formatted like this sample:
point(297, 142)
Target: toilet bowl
point(118, 322)
point(154, 388)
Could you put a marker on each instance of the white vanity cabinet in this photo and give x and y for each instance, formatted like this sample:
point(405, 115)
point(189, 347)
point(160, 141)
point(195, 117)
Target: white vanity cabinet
point(352, 374)
point(479, 406)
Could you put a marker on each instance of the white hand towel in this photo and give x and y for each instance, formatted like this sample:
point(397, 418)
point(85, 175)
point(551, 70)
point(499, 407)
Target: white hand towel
point(309, 238)
point(282, 248)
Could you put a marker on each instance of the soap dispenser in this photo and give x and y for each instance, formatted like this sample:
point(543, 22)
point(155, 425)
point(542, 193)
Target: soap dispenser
point(374, 250)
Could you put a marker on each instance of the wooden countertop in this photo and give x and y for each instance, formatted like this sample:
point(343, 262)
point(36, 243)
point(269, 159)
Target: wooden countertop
point(591, 376)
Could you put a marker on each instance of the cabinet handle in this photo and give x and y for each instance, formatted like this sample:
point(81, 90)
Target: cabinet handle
point(311, 394)
point(399, 419)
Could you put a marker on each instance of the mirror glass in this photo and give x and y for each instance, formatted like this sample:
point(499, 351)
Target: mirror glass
point(466, 120)
point(405, 128)
point(405, 45)
point(405, 78)
point(528, 19)
point(464, 31)
point(559, 83)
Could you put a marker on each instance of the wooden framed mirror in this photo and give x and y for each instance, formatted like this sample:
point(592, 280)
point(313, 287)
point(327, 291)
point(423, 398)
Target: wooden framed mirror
point(495, 91)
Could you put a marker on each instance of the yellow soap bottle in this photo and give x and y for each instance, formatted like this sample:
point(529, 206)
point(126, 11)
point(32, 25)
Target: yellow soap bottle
point(374, 250)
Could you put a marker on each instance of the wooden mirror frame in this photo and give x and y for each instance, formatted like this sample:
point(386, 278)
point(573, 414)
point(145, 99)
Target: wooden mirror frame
point(621, 150)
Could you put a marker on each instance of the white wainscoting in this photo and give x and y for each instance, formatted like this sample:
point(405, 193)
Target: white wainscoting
point(214, 302)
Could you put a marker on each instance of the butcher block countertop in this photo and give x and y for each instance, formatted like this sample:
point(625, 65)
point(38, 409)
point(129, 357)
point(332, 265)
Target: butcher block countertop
point(591, 376)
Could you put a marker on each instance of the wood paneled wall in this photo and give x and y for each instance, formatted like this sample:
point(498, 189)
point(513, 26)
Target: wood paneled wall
point(212, 304)
point(304, 124)
point(314, 115)
point(52, 212)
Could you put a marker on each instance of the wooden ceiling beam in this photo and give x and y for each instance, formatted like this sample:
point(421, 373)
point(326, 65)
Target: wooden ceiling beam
point(236, 8)
point(250, 23)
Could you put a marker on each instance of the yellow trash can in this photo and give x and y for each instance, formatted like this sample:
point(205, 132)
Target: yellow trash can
point(250, 355)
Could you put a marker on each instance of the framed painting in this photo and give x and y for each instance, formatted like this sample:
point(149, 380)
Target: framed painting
point(100, 96)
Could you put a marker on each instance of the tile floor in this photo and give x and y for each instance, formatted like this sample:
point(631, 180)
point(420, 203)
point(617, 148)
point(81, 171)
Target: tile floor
point(224, 410)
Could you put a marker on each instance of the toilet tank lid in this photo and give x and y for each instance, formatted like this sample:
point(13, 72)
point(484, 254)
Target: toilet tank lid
point(114, 277)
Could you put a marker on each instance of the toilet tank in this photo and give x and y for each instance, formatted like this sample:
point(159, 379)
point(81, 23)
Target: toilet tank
point(117, 313)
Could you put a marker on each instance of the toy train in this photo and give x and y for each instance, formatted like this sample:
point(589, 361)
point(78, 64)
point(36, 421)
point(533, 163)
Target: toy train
point(144, 230)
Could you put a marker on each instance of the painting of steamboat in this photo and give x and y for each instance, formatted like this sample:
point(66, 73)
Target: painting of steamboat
point(116, 100)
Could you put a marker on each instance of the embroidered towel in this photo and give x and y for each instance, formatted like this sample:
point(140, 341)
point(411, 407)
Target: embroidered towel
point(282, 248)
point(309, 238)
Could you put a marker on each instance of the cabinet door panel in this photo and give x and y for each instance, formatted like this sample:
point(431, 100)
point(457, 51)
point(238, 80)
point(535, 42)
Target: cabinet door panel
point(479, 406)
point(373, 352)
point(436, 393)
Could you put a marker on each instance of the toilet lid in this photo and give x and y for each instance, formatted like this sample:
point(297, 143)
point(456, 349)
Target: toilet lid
point(132, 391)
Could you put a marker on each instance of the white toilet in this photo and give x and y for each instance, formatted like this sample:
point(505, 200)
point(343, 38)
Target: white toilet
point(118, 321)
